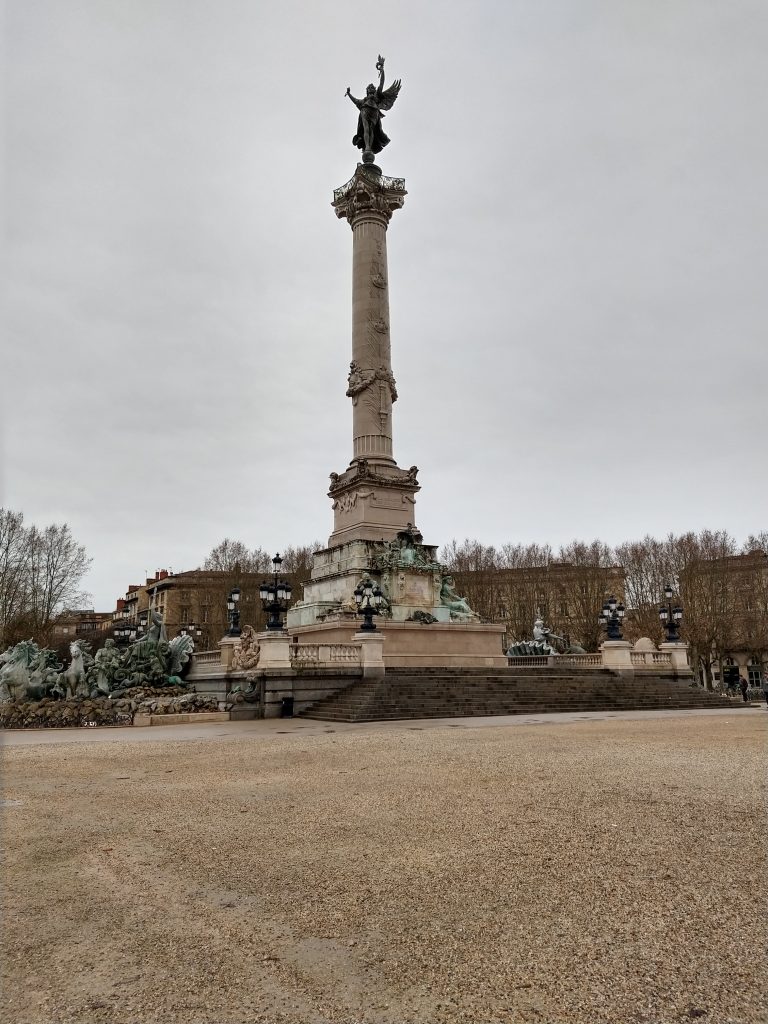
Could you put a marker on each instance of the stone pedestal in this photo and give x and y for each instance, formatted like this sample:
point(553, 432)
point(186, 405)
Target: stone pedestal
point(274, 650)
point(679, 655)
point(412, 645)
point(227, 646)
point(617, 655)
point(371, 653)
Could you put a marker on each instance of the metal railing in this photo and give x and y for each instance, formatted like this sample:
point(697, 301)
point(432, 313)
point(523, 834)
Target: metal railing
point(380, 180)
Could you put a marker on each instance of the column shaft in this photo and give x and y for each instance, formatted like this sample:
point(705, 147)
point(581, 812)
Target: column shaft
point(371, 353)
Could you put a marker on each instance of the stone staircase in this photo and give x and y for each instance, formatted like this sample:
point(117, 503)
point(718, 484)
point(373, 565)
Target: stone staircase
point(447, 693)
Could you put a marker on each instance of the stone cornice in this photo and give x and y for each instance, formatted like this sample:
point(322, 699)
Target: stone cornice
point(361, 473)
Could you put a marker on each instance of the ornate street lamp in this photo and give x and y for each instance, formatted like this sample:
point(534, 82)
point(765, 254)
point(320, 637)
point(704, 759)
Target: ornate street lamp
point(368, 599)
point(670, 616)
point(233, 612)
point(275, 596)
point(121, 634)
point(611, 617)
point(192, 630)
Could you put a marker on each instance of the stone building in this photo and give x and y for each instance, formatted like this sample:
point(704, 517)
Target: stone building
point(80, 624)
point(198, 596)
point(725, 604)
point(568, 597)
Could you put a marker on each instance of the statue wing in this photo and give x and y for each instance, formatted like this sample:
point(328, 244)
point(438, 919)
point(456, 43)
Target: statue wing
point(388, 96)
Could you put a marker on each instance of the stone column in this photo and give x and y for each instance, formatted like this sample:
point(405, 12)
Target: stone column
point(373, 498)
point(367, 202)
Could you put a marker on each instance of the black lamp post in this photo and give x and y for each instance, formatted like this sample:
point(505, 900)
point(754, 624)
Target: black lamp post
point(233, 612)
point(670, 616)
point(275, 596)
point(129, 633)
point(611, 616)
point(192, 630)
point(121, 634)
point(368, 599)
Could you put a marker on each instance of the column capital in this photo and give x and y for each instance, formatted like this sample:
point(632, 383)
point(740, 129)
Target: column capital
point(369, 193)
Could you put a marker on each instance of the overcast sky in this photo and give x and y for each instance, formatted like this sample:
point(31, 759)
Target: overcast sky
point(578, 279)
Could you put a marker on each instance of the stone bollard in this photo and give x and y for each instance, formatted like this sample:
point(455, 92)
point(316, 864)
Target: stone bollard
point(371, 654)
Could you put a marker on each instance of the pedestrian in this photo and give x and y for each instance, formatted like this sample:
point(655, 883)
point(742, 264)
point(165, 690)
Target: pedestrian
point(765, 686)
point(744, 687)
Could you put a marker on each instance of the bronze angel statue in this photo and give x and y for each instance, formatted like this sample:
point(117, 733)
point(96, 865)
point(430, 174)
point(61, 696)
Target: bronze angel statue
point(370, 135)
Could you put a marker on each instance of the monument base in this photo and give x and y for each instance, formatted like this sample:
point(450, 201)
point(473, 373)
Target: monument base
point(412, 645)
point(415, 586)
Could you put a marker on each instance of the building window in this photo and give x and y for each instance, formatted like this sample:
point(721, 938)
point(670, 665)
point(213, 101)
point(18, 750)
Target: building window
point(754, 674)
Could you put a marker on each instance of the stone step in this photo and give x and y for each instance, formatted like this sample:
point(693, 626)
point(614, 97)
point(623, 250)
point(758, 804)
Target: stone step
point(439, 693)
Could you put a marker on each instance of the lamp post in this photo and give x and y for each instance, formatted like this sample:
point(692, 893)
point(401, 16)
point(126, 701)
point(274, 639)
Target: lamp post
point(368, 600)
point(611, 617)
point(192, 630)
point(275, 596)
point(233, 612)
point(121, 634)
point(670, 616)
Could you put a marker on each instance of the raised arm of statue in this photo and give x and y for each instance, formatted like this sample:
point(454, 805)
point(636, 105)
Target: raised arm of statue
point(358, 103)
point(380, 69)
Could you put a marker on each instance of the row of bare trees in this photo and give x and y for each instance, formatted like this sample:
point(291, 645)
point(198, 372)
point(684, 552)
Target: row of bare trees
point(232, 556)
point(237, 565)
point(40, 575)
point(722, 585)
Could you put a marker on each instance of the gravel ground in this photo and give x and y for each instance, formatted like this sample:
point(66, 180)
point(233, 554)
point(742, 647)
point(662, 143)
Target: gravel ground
point(596, 871)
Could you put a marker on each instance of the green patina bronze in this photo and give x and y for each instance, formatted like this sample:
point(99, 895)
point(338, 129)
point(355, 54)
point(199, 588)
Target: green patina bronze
point(29, 672)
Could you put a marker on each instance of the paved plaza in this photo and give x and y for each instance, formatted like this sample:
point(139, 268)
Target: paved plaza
point(549, 868)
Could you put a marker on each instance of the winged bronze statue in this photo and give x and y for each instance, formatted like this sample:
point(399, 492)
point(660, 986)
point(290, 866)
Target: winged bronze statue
point(370, 135)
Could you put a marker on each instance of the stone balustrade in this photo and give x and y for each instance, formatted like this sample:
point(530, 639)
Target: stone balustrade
point(315, 655)
point(578, 660)
point(207, 657)
point(644, 659)
point(615, 656)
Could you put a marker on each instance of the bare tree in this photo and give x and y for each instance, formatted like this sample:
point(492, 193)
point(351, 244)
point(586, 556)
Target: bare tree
point(704, 565)
point(234, 556)
point(475, 570)
point(14, 582)
point(297, 561)
point(587, 574)
point(40, 573)
point(525, 591)
point(57, 564)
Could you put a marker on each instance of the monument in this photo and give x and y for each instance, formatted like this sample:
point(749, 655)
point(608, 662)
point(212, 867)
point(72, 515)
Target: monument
point(424, 621)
